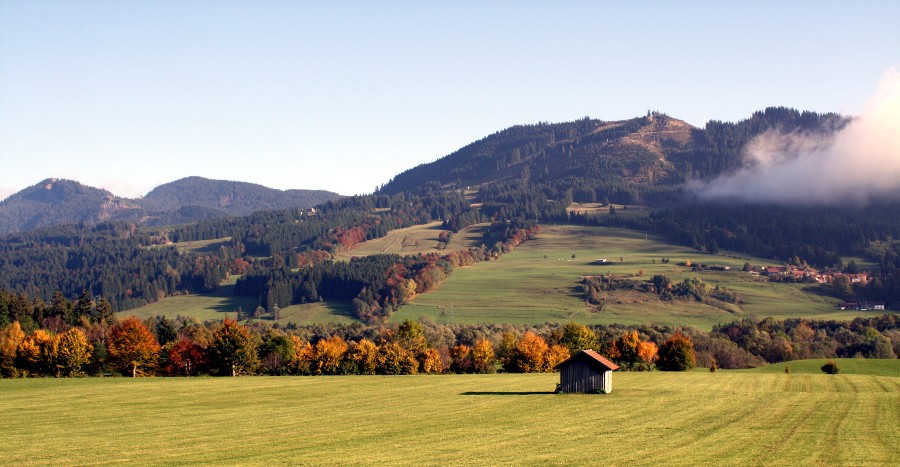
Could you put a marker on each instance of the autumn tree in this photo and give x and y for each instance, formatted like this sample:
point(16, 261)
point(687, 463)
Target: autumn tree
point(556, 354)
point(363, 355)
point(31, 356)
point(627, 350)
point(394, 359)
point(430, 362)
point(68, 353)
point(531, 353)
point(646, 352)
point(232, 350)
point(677, 353)
point(326, 356)
point(132, 347)
point(483, 356)
point(184, 358)
point(11, 336)
point(461, 359)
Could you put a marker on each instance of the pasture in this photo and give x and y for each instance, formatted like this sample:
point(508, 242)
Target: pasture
point(539, 282)
point(652, 418)
point(417, 239)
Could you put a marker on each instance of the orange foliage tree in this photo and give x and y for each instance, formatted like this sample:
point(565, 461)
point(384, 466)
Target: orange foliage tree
point(431, 362)
point(132, 346)
point(647, 353)
point(531, 353)
point(677, 353)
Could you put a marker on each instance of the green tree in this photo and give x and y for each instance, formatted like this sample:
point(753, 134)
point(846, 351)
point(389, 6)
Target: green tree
point(577, 337)
point(232, 350)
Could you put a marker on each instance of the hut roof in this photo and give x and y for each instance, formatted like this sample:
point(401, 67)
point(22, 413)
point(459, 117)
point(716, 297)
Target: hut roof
point(591, 356)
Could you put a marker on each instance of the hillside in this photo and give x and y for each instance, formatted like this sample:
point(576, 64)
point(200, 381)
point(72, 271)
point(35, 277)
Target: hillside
point(54, 202)
point(229, 197)
point(589, 160)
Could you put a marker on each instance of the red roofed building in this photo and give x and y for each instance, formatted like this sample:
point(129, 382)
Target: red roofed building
point(587, 371)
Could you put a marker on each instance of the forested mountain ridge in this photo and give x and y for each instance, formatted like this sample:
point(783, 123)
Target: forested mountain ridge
point(230, 197)
point(54, 202)
point(628, 161)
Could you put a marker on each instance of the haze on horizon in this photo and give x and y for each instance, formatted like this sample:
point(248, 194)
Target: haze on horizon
point(343, 97)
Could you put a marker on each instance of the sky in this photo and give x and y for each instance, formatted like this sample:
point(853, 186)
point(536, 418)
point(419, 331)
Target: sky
point(344, 95)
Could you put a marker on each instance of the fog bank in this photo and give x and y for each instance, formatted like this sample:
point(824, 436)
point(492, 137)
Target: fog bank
point(858, 164)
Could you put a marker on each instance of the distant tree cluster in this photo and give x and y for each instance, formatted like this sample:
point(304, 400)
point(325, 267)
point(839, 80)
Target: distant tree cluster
point(594, 288)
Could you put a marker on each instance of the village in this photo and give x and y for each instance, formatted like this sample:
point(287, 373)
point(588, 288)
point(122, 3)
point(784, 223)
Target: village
point(808, 274)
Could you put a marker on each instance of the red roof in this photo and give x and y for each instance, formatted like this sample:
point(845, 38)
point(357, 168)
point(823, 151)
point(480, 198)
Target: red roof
point(593, 356)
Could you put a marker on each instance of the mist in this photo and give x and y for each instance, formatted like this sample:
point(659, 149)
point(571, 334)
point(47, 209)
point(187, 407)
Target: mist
point(858, 164)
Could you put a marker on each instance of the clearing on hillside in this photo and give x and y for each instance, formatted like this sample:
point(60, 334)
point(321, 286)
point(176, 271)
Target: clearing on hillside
point(418, 239)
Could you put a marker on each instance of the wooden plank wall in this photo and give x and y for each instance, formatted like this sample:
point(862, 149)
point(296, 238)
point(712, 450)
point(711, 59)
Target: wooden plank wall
point(580, 377)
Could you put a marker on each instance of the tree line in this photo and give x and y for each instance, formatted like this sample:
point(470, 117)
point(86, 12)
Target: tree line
point(186, 347)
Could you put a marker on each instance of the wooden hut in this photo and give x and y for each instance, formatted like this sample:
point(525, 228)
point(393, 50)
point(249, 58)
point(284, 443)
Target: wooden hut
point(586, 371)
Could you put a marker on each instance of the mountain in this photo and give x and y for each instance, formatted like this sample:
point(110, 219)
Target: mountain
point(636, 160)
point(231, 198)
point(58, 201)
point(54, 201)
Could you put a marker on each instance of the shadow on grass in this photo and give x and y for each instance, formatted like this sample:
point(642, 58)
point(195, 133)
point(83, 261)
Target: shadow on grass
point(505, 393)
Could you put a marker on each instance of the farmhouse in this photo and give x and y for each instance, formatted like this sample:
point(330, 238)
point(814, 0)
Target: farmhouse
point(586, 371)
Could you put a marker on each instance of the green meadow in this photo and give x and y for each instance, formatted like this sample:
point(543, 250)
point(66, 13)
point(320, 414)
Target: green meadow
point(748, 417)
point(539, 282)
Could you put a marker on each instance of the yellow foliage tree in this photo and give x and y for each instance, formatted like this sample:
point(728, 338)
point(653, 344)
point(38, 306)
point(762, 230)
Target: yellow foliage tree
point(364, 354)
point(31, 354)
point(10, 338)
point(556, 354)
point(328, 354)
point(483, 356)
point(68, 352)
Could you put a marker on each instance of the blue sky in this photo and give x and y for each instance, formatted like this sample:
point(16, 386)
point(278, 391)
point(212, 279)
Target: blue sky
point(344, 95)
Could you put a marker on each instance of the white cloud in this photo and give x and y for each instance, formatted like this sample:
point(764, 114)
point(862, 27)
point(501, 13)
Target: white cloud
point(857, 164)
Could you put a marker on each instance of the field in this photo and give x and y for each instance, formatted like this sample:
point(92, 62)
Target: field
point(539, 283)
point(417, 239)
point(695, 418)
point(223, 304)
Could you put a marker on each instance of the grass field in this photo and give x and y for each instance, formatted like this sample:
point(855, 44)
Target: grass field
point(695, 418)
point(417, 239)
point(538, 283)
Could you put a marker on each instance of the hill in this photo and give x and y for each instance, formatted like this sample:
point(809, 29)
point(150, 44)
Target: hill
point(627, 161)
point(55, 201)
point(229, 197)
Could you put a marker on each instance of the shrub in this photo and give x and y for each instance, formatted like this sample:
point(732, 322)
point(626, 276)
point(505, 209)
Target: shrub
point(831, 367)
